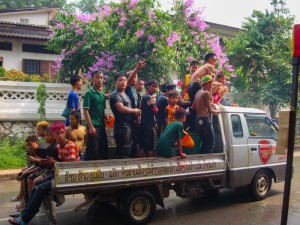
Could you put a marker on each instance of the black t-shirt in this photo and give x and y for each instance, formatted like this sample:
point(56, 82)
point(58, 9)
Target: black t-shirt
point(161, 102)
point(148, 116)
point(121, 119)
point(52, 151)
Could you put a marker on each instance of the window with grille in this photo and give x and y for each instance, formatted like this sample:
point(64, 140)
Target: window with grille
point(32, 66)
point(22, 20)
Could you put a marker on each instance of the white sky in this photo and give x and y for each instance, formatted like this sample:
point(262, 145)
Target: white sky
point(233, 12)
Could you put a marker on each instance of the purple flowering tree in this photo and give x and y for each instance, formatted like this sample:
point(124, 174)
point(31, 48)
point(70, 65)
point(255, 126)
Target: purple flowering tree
point(119, 34)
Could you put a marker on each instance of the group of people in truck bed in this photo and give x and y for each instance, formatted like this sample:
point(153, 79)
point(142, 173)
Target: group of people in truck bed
point(144, 125)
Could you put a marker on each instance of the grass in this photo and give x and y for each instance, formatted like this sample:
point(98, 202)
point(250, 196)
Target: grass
point(12, 153)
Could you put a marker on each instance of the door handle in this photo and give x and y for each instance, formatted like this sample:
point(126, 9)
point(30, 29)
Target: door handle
point(253, 149)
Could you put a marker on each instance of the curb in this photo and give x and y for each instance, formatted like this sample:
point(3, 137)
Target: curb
point(9, 174)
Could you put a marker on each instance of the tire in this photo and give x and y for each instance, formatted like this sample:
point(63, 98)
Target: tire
point(261, 185)
point(138, 207)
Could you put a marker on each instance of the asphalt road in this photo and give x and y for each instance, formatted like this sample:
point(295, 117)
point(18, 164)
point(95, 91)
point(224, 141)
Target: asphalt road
point(228, 208)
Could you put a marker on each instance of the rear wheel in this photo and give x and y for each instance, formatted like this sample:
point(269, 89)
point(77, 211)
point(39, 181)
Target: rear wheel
point(138, 207)
point(261, 185)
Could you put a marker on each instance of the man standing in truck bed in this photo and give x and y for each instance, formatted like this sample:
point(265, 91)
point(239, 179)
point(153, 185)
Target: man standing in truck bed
point(202, 105)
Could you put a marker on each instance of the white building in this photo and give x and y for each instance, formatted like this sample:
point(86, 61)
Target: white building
point(23, 37)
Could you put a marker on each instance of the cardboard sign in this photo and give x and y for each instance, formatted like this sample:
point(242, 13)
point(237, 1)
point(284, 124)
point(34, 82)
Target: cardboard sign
point(282, 139)
point(296, 40)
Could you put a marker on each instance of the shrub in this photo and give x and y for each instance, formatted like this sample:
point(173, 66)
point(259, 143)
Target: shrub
point(2, 71)
point(12, 153)
point(15, 75)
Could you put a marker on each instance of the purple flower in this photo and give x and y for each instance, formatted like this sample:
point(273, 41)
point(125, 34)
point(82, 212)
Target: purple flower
point(79, 31)
point(154, 49)
point(140, 33)
point(190, 58)
point(59, 25)
point(173, 38)
point(104, 10)
point(233, 75)
point(136, 55)
point(133, 3)
point(161, 37)
point(152, 15)
point(152, 38)
point(188, 3)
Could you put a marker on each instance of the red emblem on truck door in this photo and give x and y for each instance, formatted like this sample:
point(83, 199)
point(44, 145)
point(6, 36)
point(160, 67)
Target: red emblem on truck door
point(265, 150)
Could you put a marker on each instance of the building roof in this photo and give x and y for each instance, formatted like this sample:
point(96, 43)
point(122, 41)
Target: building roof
point(28, 9)
point(21, 30)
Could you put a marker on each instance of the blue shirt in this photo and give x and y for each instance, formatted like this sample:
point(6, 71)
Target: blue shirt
point(73, 102)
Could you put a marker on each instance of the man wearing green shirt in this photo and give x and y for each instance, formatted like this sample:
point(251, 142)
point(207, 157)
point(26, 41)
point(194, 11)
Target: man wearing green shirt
point(93, 111)
point(170, 141)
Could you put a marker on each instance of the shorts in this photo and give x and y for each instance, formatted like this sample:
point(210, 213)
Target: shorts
point(148, 138)
point(123, 137)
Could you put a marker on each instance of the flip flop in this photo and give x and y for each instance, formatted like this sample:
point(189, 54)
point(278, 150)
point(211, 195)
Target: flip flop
point(16, 215)
point(16, 221)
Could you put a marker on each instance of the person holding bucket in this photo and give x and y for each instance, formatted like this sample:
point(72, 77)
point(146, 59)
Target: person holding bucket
point(170, 141)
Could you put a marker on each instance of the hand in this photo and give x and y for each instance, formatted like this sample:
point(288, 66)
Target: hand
point(92, 131)
point(138, 112)
point(141, 64)
point(183, 156)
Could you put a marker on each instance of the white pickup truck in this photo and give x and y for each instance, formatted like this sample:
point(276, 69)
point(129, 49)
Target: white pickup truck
point(245, 155)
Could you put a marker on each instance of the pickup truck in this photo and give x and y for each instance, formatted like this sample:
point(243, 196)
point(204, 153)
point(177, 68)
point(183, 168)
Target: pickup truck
point(244, 156)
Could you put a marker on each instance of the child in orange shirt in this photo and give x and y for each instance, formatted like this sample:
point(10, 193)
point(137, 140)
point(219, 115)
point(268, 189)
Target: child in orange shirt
point(193, 67)
point(171, 108)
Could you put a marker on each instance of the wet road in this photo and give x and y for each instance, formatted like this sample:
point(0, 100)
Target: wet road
point(229, 208)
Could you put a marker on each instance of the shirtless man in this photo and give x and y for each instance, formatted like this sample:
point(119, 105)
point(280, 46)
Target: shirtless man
point(202, 105)
point(76, 132)
point(195, 83)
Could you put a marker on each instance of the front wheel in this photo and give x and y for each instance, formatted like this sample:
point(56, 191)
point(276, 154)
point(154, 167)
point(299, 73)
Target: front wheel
point(261, 185)
point(138, 207)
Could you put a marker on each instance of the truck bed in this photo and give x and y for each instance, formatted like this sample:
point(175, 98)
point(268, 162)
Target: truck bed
point(84, 176)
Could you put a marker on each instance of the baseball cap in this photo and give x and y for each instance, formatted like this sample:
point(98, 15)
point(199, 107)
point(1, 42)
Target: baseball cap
point(206, 79)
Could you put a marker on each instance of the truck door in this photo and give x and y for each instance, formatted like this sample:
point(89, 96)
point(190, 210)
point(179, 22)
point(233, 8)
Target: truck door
point(262, 136)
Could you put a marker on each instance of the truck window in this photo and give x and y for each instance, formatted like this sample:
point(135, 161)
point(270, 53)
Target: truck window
point(261, 126)
point(237, 129)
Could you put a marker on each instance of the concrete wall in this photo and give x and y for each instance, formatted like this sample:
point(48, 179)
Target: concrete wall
point(13, 59)
point(41, 18)
point(18, 111)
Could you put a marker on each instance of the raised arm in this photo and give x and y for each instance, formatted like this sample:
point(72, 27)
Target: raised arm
point(141, 64)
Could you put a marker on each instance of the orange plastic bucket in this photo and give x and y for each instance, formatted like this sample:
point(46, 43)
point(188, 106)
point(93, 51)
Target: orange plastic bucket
point(188, 141)
point(110, 123)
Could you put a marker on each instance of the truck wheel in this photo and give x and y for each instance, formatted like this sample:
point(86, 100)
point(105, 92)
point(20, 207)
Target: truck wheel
point(138, 207)
point(261, 185)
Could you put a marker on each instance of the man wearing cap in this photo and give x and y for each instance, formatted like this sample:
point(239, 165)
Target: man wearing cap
point(202, 105)
point(195, 83)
